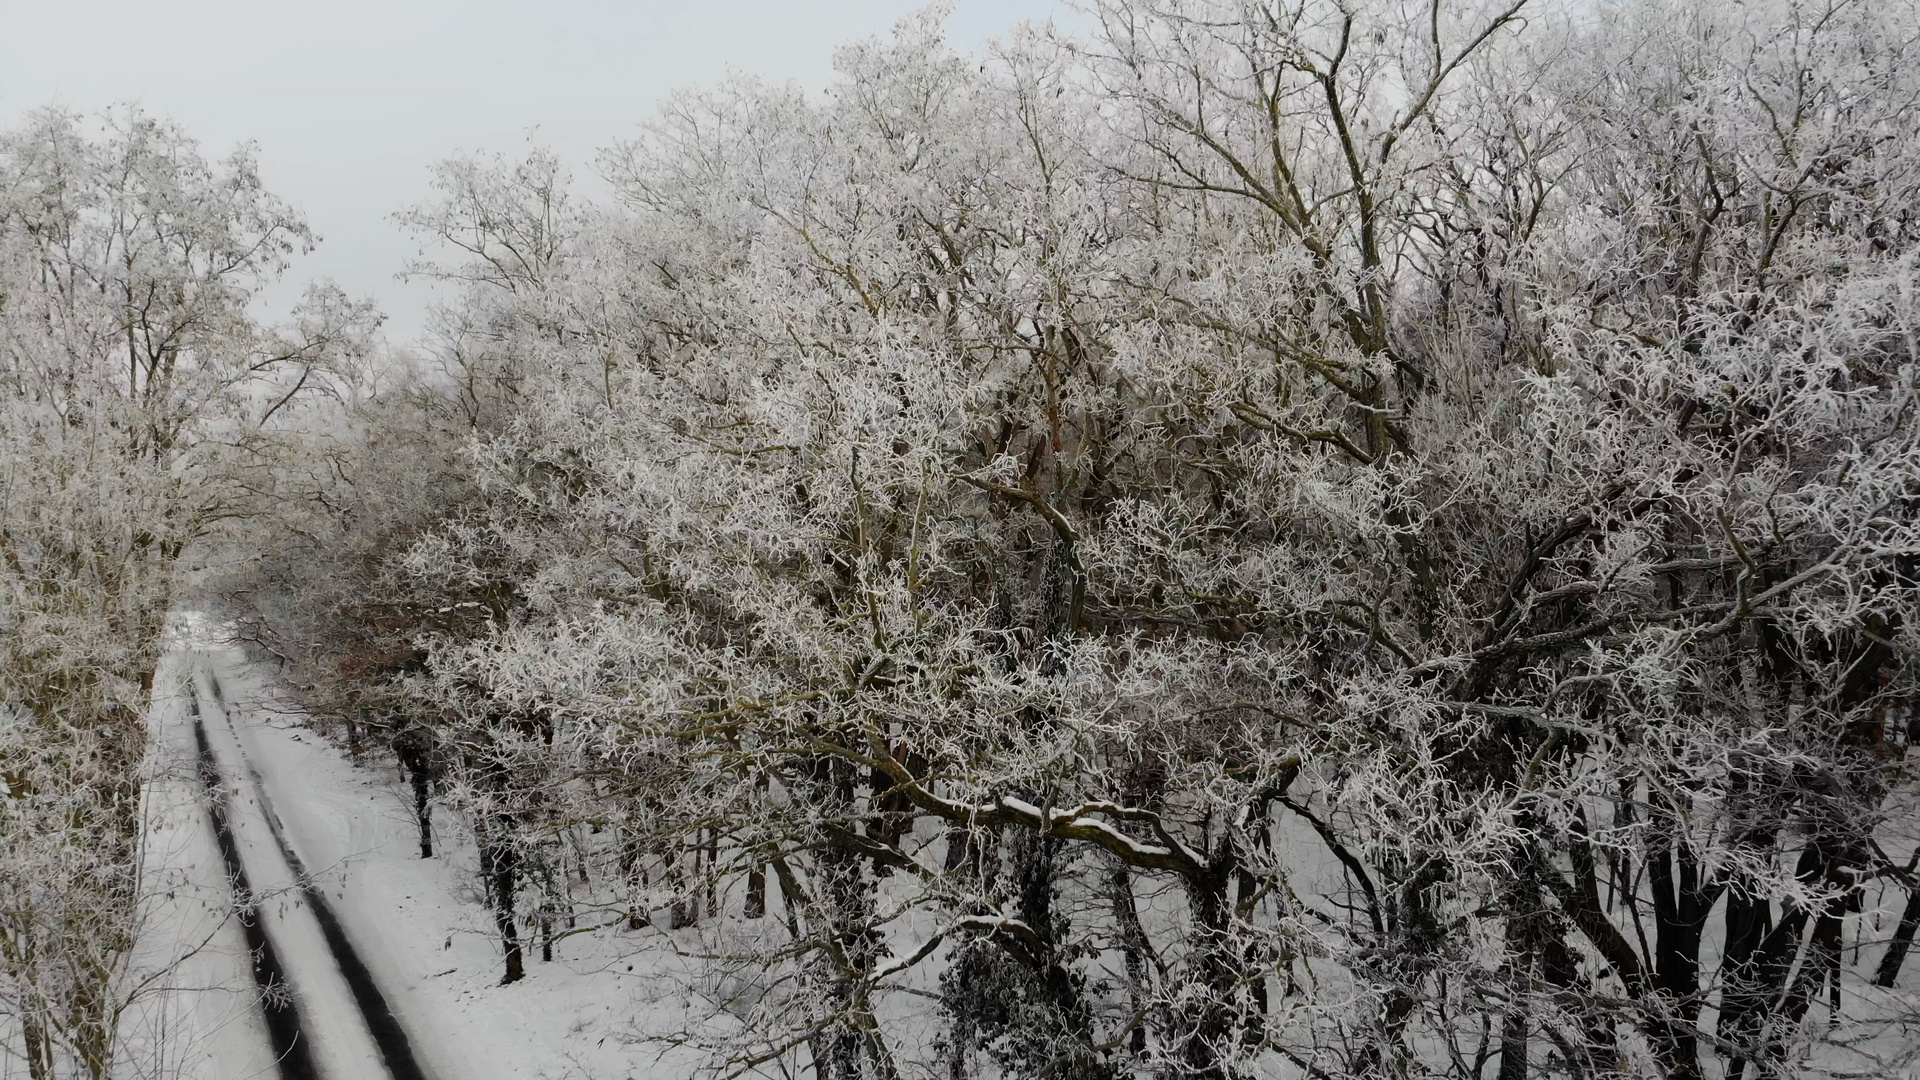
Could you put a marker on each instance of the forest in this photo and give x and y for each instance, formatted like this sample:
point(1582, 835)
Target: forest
point(1234, 539)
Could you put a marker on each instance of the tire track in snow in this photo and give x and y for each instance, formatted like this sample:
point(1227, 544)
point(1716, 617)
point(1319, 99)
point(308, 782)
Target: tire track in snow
point(276, 995)
point(388, 1034)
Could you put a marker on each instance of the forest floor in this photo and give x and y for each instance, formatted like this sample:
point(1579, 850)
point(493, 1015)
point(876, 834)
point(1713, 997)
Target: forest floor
point(364, 960)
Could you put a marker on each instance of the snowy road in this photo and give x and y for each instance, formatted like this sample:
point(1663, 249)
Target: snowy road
point(291, 1045)
point(357, 959)
point(288, 976)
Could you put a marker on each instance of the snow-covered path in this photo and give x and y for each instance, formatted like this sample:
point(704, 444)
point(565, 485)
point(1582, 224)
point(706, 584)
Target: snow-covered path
point(304, 946)
point(289, 1042)
point(378, 964)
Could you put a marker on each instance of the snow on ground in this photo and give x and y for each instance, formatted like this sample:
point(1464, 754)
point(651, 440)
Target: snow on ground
point(422, 932)
point(417, 924)
point(196, 1009)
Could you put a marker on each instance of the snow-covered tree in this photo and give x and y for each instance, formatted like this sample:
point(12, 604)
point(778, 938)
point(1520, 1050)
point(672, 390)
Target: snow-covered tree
point(135, 392)
point(1304, 539)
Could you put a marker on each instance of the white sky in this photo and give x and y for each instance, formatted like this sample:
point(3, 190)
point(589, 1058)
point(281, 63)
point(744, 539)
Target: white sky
point(350, 101)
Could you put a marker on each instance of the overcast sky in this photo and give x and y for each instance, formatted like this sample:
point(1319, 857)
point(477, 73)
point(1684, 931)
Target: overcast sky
point(351, 100)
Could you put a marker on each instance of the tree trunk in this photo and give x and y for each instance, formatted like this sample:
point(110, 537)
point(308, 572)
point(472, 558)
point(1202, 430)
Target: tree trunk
point(93, 1025)
point(413, 748)
point(756, 892)
point(710, 878)
point(1208, 1023)
point(39, 1049)
point(1243, 905)
point(498, 867)
point(1896, 954)
point(423, 811)
point(1524, 905)
point(685, 910)
point(846, 897)
point(1746, 987)
point(1681, 903)
point(1133, 950)
point(633, 869)
point(961, 856)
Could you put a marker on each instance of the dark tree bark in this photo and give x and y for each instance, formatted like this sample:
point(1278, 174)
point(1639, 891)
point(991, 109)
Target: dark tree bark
point(1896, 954)
point(685, 909)
point(756, 906)
point(1681, 903)
point(414, 749)
point(960, 854)
point(711, 874)
point(1133, 949)
point(1515, 1029)
point(633, 869)
point(846, 906)
point(1207, 1028)
point(499, 869)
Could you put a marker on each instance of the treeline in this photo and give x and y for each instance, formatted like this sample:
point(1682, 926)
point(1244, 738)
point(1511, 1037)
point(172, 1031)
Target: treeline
point(1315, 539)
point(1260, 540)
